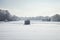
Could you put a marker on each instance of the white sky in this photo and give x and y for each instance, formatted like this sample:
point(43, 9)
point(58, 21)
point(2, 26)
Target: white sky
point(31, 7)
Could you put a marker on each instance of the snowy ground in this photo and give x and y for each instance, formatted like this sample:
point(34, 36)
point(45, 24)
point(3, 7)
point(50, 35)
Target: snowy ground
point(34, 31)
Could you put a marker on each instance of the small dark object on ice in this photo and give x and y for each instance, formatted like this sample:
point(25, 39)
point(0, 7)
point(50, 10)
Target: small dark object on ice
point(27, 22)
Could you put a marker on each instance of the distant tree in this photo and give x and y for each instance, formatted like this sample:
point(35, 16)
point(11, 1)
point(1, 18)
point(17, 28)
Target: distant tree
point(2, 16)
point(8, 16)
point(15, 18)
point(47, 18)
point(55, 17)
point(5, 15)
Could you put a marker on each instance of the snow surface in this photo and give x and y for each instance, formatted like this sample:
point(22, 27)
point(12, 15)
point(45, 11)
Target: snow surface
point(35, 31)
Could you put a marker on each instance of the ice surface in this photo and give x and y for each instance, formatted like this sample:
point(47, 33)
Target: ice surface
point(35, 31)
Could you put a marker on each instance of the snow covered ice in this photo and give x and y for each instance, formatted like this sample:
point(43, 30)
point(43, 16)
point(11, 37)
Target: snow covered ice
point(35, 31)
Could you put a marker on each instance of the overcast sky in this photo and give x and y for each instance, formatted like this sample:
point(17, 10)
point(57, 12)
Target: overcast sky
point(31, 7)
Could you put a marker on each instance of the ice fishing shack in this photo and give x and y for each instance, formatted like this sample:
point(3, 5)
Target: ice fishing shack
point(27, 22)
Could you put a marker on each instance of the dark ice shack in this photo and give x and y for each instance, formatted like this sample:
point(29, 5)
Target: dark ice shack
point(27, 22)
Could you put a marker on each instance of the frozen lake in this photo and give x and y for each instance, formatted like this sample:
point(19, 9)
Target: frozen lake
point(35, 31)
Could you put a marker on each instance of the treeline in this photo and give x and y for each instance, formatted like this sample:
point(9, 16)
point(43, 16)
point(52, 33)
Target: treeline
point(6, 16)
point(55, 17)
